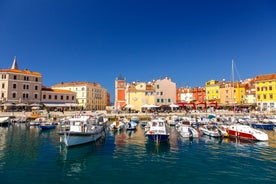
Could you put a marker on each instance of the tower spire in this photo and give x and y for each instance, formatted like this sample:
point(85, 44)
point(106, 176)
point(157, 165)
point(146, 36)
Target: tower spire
point(14, 64)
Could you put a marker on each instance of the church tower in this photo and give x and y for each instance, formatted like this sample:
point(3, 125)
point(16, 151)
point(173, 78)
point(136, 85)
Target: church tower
point(120, 92)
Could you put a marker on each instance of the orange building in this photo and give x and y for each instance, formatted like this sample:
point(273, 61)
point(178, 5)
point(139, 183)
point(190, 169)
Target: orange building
point(120, 93)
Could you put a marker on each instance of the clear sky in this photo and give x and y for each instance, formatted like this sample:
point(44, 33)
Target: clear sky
point(190, 41)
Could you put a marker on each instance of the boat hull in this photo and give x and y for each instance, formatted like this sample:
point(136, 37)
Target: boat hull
point(263, 126)
point(158, 137)
point(246, 132)
point(78, 138)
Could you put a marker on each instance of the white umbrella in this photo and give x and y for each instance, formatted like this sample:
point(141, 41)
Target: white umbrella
point(35, 105)
point(152, 106)
point(174, 105)
point(7, 104)
point(145, 106)
point(129, 106)
point(21, 105)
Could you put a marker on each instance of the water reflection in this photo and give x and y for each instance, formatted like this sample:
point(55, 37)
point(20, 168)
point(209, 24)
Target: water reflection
point(153, 148)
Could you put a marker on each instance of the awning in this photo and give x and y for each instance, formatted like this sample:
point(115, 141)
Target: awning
point(60, 104)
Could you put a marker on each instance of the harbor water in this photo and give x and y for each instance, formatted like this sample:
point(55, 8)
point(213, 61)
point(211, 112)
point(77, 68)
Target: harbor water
point(30, 155)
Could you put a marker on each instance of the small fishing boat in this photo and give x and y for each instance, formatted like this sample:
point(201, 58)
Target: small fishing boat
point(47, 126)
point(211, 130)
point(263, 125)
point(187, 131)
point(4, 121)
point(157, 131)
point(132, 125)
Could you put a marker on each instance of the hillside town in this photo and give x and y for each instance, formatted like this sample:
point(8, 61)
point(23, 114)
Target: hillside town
point(22, 90)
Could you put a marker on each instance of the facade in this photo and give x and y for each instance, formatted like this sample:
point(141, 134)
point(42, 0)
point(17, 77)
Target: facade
point(120, 93)
point(227, 94)
point(212, 88)
point(20, 86)
point(265, 86)
point(58, 98)
point(165, 91)
point(198, 95)
point(139, 94)
point(90, 96)
point(184, 95)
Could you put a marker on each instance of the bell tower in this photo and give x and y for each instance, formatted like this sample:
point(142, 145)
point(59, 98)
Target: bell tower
point(120, 92)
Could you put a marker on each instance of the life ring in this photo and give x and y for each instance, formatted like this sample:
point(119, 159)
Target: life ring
point(150, 132)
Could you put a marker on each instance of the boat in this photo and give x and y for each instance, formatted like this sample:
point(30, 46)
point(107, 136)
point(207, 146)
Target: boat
point(81, 130)
point(117, 125)
point(47, 125)
point(157, 131)
point(4, 121)
point(211, 130)
point(187, 131)
point(263, 125)
point(246, 132)
point(132, 125)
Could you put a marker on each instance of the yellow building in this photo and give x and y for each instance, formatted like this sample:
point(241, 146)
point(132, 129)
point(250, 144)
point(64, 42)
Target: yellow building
point(91, 96)
point(139, 94)
point(212, 91)
point(265, 86)
point(240, 97)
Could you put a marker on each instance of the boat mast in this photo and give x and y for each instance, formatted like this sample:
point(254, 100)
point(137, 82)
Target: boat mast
point(233, 83)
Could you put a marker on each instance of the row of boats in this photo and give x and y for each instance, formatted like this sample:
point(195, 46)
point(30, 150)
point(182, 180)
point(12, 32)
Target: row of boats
point(156, 129)
point(88, 128)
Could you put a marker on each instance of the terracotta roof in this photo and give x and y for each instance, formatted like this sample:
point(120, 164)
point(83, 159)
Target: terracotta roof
point(265, 77)
point(56, 90)
point(21, 72)
point(75, 84)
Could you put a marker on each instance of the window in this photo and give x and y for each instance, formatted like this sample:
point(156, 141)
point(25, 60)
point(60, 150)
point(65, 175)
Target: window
point(3, 85)
point(270, 88)
point(169, 100)
point(35, 96)
point(14, 77)
point(73, 98)
point(67, 97)
point(271, 96)
point(36, 87)
point(14, 86)
point(44, 96)
point(162, 100)
point(158, 100)
point(157, 86)
point(258, 89)
point(2, 95)
point(55, 97)
point(264, 96)
point(36, 79)
point(161, 93)
point(13, 95)
point(50, 96)
point(4, 76)
point(61, 97)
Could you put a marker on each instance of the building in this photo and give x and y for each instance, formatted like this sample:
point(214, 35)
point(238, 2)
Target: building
point(184, 95)
point(165, 91)
point(20, 86)
point(139, 94)
point(120, 93)
point(212, 89)
point(58, 98)
point(90, 96)
point(265, 86)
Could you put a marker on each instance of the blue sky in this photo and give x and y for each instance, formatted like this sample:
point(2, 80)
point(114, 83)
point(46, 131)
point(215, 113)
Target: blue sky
point(190, 41)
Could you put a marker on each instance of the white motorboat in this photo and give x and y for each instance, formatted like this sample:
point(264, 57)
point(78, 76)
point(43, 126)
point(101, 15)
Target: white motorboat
point(81, 130)
point(246, 132)
point(187, 131)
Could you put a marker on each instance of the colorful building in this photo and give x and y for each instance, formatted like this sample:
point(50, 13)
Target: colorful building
point(120, 93)
point(165, 91)
point(266, 91)
point(139, 94)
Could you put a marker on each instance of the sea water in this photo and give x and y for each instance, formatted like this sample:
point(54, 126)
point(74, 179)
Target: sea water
point(31, 155)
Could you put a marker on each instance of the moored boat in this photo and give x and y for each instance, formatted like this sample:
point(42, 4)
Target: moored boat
point(4, 121)
point(157, 131)
point(246, 132)
point(187, 131)
point(81, 131)
point(263, 125)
